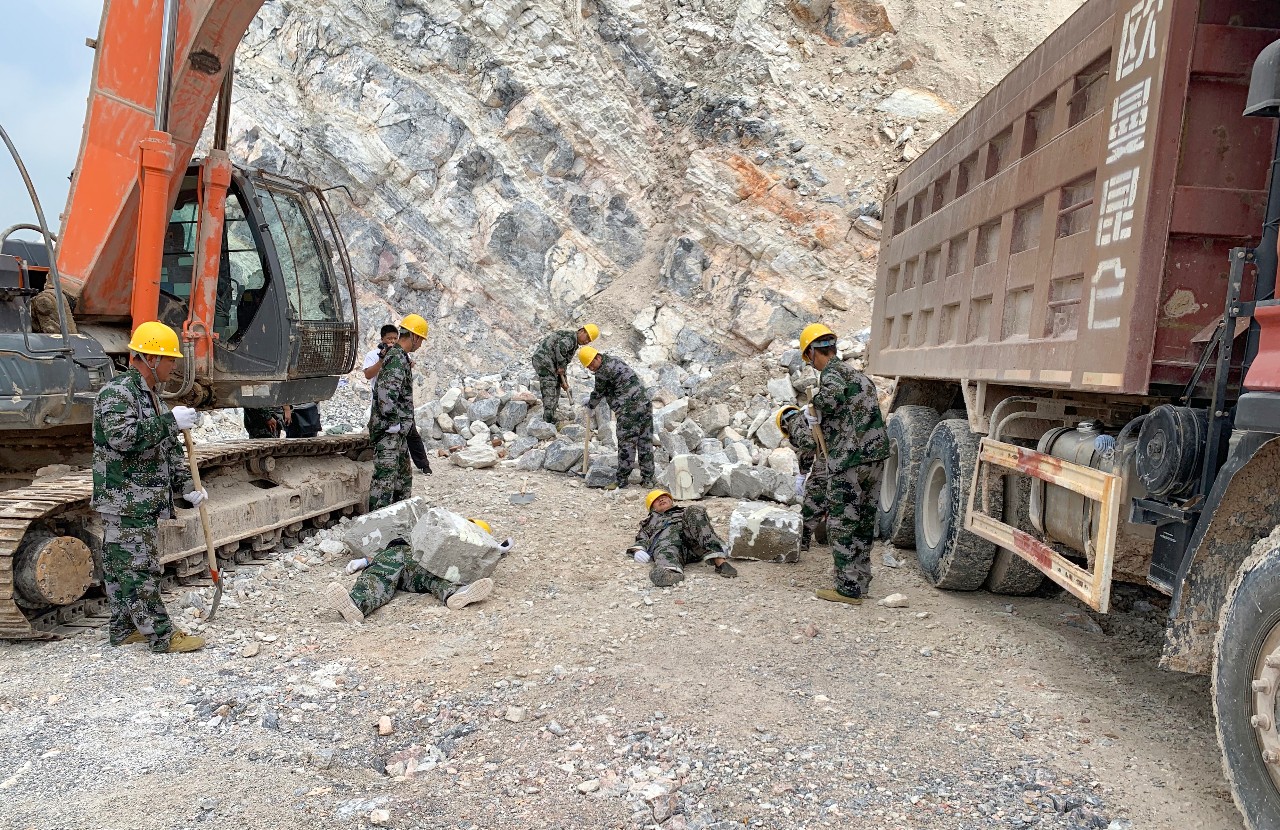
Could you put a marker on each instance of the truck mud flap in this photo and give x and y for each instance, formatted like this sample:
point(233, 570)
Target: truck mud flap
point(1093, 587)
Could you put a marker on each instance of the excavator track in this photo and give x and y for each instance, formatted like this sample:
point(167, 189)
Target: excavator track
point(64, 496)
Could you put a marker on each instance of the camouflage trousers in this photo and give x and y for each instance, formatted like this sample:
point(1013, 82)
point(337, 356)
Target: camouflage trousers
point(391, 570)
point(549, 387)
point(635, 444)
point(691, 539)
point(851, 524)
point(131, 577)
point(392, 478)
point(813, 504)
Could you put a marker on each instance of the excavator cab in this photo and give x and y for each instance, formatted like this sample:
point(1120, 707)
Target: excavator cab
point(284, 316)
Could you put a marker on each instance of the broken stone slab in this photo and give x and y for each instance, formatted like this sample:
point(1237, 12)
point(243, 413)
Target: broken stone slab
point(531, 460)
point(562, 456)
point(673, 413)
point(454, 548)
point(868, 227)
point(691, 433)
point(484, 409)
point(450, 441)
point(512, 414)
point(738, 481)
point(783, 459)
point(521, 445)
point(739, 452)
point(781, 391)
point(714, 419)
point(757, 421)
point(708, 446)
point(573, 432)
point(768, 433)
point(367, 535)
point(673, 443)
point(445, 422)
point(476, 457)
point(451, 403)
point(776, 486)
point(603, 472)
point(540, 429)
point(764, 532)
point(688, 477)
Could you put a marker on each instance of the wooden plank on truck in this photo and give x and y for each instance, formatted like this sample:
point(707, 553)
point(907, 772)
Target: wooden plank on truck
point(1092, 586)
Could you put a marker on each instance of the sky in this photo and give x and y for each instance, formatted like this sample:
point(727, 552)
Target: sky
point(44, 82)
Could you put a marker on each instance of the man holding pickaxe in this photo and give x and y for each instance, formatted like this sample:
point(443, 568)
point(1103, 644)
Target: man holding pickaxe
point(138, 466)
point(551, 359)
point(849, 432)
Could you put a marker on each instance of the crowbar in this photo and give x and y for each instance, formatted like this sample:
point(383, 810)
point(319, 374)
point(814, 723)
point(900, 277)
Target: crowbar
point(586, 444)
point(214, 573)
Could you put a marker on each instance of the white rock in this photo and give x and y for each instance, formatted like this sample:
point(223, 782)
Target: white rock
point(516, 714)
point(475, 457)
point(768, 433)
point(688, 477)
point(783, 459)
point(914, 103)
point(765, 532)
point(380, 817)
point(333, 547)
point(589, 786)
point(454, 548)
point(384, 725)
point(781, 391)
point(894, 601)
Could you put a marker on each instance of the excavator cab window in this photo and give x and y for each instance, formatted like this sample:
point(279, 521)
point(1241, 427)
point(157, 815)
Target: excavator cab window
point(308, 282)
point(242, 281)
point(178, 261)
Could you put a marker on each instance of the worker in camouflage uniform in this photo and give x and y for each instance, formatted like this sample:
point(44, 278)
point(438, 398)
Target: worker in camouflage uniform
point(812, 481)
point(263, 422)
point(617, 383)
point(395, 568)
point(852, 439)
point(551, 359)
point(391, 416)
point(139, 464)
point(671, 537)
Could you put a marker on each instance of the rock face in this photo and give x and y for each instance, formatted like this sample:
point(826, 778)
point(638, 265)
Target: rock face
point(453, 548)
point(762, 531)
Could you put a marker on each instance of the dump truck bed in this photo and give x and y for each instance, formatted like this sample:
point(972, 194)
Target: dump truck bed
point(1072, 229)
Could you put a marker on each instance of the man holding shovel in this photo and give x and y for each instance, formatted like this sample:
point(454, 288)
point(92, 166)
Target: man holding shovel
point(551, 359)
point(138, 466)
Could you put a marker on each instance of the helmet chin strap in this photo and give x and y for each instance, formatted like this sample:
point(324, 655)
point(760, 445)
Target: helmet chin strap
point(151, 362)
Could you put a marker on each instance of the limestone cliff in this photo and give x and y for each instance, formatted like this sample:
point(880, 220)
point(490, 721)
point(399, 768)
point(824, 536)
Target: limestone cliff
point(707, 169)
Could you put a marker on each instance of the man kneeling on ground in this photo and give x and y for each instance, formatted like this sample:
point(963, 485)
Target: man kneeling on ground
point(395, 569)
point(672, 537)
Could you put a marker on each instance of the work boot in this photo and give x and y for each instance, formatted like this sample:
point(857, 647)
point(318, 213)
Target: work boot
point(664, 578)
point(135, 637)
point(340, 601)
point(832, 595)
point(726, 570)
point(182, 643)
point(467, 594)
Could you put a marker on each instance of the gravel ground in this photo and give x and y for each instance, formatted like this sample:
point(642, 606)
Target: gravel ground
point(579, 696)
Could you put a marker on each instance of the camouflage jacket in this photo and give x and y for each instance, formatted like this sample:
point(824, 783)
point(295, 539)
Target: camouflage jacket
point(801, 438)
point(852, 425)
point(617, 383)
point(392, 394)
point(139, 461)
point(655, 523)
point(555, 350)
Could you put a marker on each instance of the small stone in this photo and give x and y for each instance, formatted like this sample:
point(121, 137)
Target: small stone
point(894, 601)
point(251, 650)
point(556, 729)
point(589, 786)
point(332, 547)
point(384, 725)
point(926, 652)
point(889, 560)
point(380, 818)
point(516, 714)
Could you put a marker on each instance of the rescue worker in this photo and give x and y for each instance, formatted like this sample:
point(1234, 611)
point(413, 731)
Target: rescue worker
point(617, 383)
point(139, 463)
point(264, 422)
point(391, 416)
point(811, 484)
point(394, 568)
point(551, 359)
point(671, 537)
point(371, 367)
point(846, 412)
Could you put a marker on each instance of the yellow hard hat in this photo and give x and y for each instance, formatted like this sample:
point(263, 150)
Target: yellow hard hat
point(482, 524)
point(155, 338)
point(653, 496)
point(782, 413)
point(415, 324)
point(812, 332)
point(592, 330)
point(585, 355)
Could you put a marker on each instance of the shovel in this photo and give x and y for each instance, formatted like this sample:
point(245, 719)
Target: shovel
point(522, 497)
point(214, 573)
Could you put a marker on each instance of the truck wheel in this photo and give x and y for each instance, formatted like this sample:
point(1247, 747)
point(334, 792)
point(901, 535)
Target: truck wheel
point(950, 556)
point(1010, 573)
point(908, 429)
point(1246, 678)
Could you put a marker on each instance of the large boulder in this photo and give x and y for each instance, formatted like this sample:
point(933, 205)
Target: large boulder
point(453, 548)
point(673, 443)
point(781, 391)
point(531, 460)
point(521, 445)
point(691, 433)
point(562, 456)
point(768, 434)
point(738, 481)
point(452, 403)
point(688, 477)
point(764, 532)
point(368, 534)
point(475, 457)
point(714, 419)
point(512, 414)
point(603, 472)
point(484, 409)
point(540, 429)
point(671, 414)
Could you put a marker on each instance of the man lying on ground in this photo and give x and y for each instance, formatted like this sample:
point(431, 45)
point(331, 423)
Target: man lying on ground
point(672, 537)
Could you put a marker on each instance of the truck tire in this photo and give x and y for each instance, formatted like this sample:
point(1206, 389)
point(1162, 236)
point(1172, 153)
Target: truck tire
point(1249, 635)
point(908, 428)
point(1012, 575)
point(950, 556)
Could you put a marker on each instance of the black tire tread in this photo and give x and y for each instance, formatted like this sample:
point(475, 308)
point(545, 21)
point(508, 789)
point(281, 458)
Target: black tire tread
point(965, 559)
point(911, 425)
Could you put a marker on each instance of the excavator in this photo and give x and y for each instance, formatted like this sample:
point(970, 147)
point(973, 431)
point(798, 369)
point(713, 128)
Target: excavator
point(250, 268)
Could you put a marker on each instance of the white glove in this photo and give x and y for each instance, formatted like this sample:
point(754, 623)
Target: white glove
point(800, 486)
point(639, 554)
point(185, 416)
point(393, 430)
point(356, 565)
point(809, 417)
point(196, 496)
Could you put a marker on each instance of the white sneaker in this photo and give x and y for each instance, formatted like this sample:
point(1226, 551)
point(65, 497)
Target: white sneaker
point(467, 594)
point(340, 601)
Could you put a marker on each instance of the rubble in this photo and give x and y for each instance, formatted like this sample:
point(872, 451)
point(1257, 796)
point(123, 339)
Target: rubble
point(453, 548)
point(369, 534)
point(765, 532)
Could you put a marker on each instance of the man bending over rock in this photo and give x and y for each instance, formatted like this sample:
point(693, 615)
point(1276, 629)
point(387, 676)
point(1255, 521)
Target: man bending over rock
point(672, 537)
point(618, 384)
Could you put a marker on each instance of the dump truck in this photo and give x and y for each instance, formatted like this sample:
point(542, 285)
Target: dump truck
point(248, 266)
point(1076, 299)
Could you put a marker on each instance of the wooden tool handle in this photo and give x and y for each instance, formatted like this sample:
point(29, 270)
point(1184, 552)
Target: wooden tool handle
point(204, 514)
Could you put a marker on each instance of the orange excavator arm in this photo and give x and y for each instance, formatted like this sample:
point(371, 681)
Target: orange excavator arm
point(137, 142)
